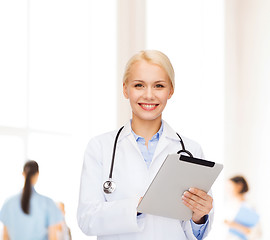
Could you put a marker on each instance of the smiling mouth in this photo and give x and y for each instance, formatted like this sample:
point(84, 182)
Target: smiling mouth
point(148, 107)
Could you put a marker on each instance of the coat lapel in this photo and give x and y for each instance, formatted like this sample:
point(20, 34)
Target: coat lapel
point(126, 133)
point(168, 136)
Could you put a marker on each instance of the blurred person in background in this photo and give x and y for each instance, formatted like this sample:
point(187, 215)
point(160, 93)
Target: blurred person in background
point(29, 215)
point(243, 220)
point(63, 231)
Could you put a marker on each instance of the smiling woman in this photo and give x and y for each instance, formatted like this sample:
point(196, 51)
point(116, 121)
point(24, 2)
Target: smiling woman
point(148, 86)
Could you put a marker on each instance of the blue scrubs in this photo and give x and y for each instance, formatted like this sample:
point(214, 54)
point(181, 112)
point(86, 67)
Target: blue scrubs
point(247, 217)
point(33, 226)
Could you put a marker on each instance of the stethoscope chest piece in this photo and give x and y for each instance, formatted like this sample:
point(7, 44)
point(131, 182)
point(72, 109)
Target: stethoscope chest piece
point(109, 186)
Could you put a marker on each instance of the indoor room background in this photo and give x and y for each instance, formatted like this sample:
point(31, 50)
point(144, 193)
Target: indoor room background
point(61, 65)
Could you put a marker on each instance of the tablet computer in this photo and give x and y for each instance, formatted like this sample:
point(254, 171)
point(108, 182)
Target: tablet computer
point(177, 174)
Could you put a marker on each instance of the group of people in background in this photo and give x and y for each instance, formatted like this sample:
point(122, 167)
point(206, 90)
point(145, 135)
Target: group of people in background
point(29, 215)
point(32, 216)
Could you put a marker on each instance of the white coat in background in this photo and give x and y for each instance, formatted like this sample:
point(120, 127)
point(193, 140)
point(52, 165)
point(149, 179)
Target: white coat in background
point(114, 216)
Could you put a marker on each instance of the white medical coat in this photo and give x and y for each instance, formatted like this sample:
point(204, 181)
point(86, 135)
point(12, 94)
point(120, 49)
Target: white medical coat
point(114, 216)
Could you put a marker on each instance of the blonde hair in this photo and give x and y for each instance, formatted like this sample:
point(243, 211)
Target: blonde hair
point(151, 56)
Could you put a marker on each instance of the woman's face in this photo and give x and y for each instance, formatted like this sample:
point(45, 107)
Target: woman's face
point(148, 88)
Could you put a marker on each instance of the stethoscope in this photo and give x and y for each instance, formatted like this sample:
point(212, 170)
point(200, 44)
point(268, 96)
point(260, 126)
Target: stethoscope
point(109, 186)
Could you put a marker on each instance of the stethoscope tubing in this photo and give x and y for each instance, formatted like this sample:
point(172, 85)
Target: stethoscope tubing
point(114, 150)
point(109, 186)
point(183, 147)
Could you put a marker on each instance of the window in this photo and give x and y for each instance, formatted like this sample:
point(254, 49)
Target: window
point(54, 92)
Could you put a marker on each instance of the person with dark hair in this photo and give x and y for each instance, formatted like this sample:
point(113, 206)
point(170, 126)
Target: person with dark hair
point(244, 224)
point(29, 215)
point(240, 184)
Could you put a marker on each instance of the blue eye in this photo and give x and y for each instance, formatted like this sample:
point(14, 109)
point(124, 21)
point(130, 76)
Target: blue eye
point(138, 85)
point(159, 86)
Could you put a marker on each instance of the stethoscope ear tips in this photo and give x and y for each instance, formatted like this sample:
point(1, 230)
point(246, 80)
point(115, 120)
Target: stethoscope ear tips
point(109, 187)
